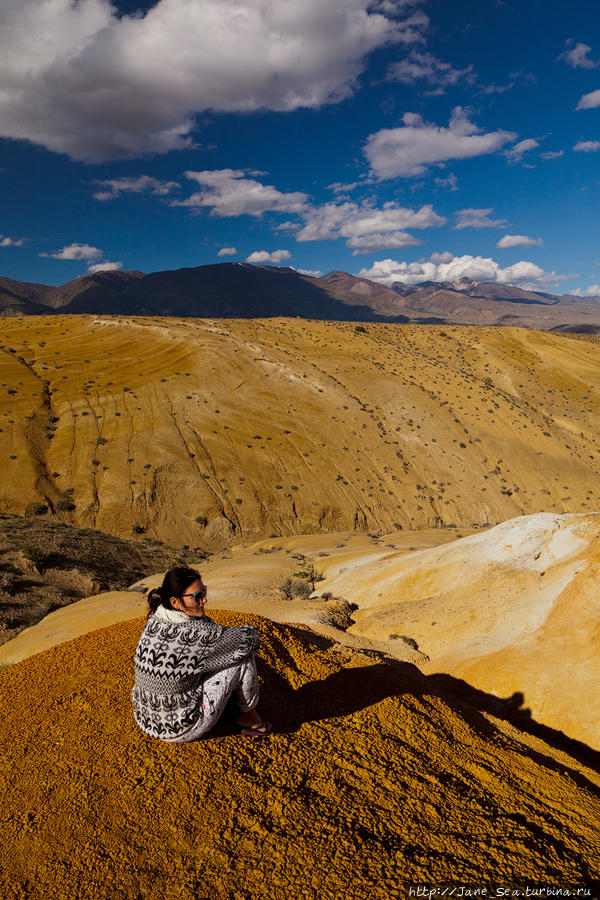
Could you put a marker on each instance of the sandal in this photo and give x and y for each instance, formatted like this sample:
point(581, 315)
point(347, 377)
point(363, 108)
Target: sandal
point(260, 729)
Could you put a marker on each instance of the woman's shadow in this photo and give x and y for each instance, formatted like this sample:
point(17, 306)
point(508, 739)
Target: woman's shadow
point(352, 689)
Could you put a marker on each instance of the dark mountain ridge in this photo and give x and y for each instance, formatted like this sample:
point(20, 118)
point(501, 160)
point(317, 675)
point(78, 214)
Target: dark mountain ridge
point(241, 290)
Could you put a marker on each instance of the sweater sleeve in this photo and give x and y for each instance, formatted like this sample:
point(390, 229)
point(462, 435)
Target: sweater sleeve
point(234, 644)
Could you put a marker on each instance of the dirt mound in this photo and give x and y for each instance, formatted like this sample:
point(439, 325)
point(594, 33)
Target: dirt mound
point(376, 777)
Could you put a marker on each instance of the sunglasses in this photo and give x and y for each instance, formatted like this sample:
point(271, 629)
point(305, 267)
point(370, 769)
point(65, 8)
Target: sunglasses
point(197, 595)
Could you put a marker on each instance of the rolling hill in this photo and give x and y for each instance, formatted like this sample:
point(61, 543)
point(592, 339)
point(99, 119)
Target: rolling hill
point(212, 432)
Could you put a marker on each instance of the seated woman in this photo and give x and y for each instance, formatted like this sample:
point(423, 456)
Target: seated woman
point(187, 666)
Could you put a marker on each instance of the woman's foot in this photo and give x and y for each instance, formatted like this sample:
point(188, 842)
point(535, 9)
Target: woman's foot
point(251, 724)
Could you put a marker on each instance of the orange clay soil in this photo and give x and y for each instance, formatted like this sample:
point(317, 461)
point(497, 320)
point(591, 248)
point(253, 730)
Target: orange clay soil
point(377, 776)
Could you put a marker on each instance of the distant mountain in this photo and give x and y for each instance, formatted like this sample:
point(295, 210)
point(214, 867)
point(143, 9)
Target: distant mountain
point(101, 287)
point(231, 290)
point(240, 290)
point(18, 297)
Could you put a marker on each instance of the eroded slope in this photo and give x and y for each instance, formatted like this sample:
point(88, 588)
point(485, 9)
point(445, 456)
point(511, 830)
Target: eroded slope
point(206, 433)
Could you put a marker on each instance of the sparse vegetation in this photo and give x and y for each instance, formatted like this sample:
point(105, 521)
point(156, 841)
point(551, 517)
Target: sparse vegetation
point(294, 587)
point(338, 613)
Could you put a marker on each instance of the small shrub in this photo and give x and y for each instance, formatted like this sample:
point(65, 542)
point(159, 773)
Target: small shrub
point(202, 520)
point(408, 640)
point(102, 440)
point(338, 614)
point(138, 529)
point(293, 587)
point(65, 505)
point(360, 329)
point(38, 509)
point(33, 553)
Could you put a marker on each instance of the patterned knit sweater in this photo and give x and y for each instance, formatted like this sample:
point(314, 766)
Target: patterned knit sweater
point(174, 654)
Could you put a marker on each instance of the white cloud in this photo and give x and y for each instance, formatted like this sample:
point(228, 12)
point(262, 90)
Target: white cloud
point(526, 275)
point(229, 192)
point(134, 185)
point(353, 221)
point(263, 256)
point(518, 240)
point(515, 154)
point(444, 257)
point(314, 273)
point(589, 101)
point(79, 79)
point(339, 187)
point(427, 67)
point(578, 56)
point(408, 150)
point(592, 291)
point(410, 30)
point(371, 243)
point(105, 267)
point(227, 251)
point(367, 228)
point(449, 182)
point(11, 242)
point(552, 154)
point(587, 146)
point(477, 218)
point(76, 251)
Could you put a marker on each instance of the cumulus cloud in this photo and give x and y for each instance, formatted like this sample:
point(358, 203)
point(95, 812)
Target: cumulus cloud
point(592, 291)
point(229, 192)
point(76, 251)
point(11, 242)
point(367, 228)
point(589, 101)
point(477, 218)
point(105, 267)
point(314, 273)
point(263, 256)
point(519, 240)
point(227, 251)
point(408, 151)
point(577, 56)
point(515, 154)
point(444, 257)
point(587, 146)
point(80, 79)
point(422, 66)
point(552, 154)
point(526, 275)
point(140, 184)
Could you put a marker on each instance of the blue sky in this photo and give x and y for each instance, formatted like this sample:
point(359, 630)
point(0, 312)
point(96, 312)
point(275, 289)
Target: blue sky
point(399, 140)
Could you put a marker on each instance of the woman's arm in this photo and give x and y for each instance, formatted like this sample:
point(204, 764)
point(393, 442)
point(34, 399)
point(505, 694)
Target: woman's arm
point(229, 646)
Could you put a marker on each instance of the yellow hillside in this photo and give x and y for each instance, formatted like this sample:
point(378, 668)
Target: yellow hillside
point(514, 610)
point(376, 777)
point(213, 432)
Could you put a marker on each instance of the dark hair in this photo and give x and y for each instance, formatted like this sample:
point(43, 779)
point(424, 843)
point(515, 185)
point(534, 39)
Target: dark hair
point(174, 584)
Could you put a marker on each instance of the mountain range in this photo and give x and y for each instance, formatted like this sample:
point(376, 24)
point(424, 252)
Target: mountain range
point(241, 290)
